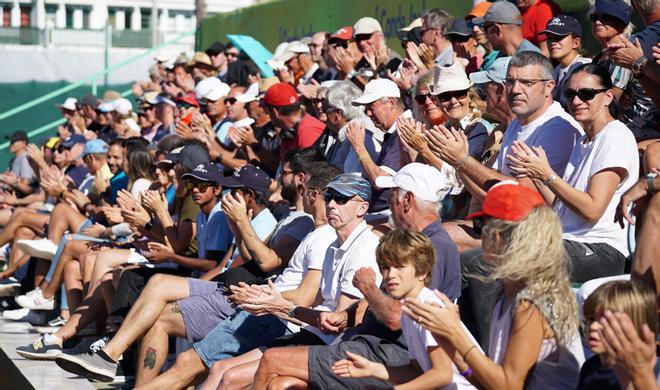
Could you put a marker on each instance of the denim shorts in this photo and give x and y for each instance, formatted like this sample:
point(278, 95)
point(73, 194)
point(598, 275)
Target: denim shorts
point(238, 334)
point(205, 307)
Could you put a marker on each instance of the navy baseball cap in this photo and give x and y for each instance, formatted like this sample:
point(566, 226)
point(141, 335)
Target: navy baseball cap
point(563, 25)
point(349, 184)
point(18, 135)
point(460, 28)
point(74, 139)
point(205, 172)
point(616, 8)
point(190, 156)
point(249, 176)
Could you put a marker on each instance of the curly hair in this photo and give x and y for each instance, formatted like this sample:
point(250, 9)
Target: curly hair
point(531, 251)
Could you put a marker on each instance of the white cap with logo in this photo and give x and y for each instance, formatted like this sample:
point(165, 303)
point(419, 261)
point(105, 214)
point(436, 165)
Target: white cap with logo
point(377, 89)
point(366, 25)
point(425, 181)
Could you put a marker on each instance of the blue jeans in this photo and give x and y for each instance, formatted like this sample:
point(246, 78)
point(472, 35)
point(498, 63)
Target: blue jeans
point(238, 334)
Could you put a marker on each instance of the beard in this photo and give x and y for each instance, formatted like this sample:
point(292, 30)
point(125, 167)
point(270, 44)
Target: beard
point(290, 193)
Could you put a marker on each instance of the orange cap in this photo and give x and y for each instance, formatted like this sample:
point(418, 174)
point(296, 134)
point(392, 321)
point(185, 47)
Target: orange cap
point(479, 10)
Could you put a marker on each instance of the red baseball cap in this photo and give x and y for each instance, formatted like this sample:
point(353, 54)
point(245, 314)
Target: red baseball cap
point(509, 201)
point(344, 34)
point(281, 94)
point(188, 98)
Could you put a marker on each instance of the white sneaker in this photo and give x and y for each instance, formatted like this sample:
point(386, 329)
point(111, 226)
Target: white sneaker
point(42, 249)
point(9, 287)
point(15, 315)
point(35, 301)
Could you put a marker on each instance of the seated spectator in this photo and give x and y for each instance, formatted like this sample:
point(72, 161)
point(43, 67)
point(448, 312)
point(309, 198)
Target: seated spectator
point(502, 25)
point(630, 306)
point(534, 340)
point(376, 56)
point(535, 16)
point(465, 46)
point(479, 34)
point(405, 258)
point(602, 167)
point(564, 41)
point(436, 25)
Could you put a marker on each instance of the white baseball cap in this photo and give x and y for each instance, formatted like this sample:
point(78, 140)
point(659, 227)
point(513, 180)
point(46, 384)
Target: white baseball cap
point(69, 104)
point(132, 124)
point(122, 106)
point(165, 55)
point(366, 25)
point(425, 181)
point(376, 89)
point(250, 95)
point(211, 89)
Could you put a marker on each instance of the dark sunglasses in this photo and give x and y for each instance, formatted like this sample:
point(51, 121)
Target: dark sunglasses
point(421, 99)
point(62, 148)
point(585, 94)
point(604, 18)
point(337, 197)
point(447, 96)
point(230, 100)
point(340, 43)
point(455, 38)
point(200, 185)
point(478, 225)
point(471, 24)
point(362, 37)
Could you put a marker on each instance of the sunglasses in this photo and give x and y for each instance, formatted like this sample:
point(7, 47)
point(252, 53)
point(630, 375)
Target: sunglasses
point(362, 37)
point(585, 94)
point(200, 185)
point(340, 199)
point(604, 18)
point(62, 148)
point(454, 38)
point(421, 99)
point(447, 96)
point(340, 43)
point(230, 100)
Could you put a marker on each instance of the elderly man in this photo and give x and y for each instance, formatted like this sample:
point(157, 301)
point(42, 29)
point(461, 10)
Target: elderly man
point(540, 121)
point(436, 23)
point(383, 105)
point(340, 112)
point(345, 204)
point(417, 192)
point(368, 34)
point(502, 25)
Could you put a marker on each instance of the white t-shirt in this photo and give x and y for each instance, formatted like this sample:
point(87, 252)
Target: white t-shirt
point(555, 130)
point(139, 186)
point(309, 255)
point(339, 265)
point(419, 340)
point(614, 146)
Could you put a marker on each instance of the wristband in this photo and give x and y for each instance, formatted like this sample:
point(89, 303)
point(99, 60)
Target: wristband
point(466, 373)
point(550, 179)
point(362, 156)
point(650, 187)
point(467, 352)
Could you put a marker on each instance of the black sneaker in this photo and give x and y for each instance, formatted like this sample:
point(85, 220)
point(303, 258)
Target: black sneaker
point(45, 348)
point(89, 365)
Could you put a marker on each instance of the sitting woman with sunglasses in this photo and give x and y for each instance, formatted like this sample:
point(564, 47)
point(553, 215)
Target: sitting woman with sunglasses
point(603, 165)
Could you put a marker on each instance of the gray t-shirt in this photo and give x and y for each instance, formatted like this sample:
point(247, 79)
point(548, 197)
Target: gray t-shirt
point(20, 166)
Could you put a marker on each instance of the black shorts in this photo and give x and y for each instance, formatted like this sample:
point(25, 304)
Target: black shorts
point(321, 359)
point(291, 340)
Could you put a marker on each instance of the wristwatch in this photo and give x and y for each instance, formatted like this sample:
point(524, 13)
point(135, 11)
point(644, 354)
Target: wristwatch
point(292, 312)
point(638, 66)
point(650, 187)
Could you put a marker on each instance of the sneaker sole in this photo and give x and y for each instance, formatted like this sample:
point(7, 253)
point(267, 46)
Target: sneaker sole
point(10, 291)
point(29, 305)
point(50, 355)
point(33, 252)
point(47, 329)
point(82, 368)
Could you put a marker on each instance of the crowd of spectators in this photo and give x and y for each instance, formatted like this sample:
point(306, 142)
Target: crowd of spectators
point(482, 211)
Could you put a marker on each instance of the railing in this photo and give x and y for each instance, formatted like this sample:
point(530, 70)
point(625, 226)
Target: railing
point(93, 79)
point(86, 38)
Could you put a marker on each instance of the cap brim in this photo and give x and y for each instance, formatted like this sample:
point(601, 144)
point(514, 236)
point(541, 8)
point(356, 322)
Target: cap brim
point(366, 99)
point(478, 20)
point(244, 98)
point(459, 33)
point(385, 182)
point(452, 87)
point(199, 177)
point(231, 182)
point(480, 78)
point(546, 31)
point(478, 214)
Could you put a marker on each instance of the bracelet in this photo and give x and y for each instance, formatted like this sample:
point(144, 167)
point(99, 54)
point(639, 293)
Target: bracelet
point(467, 352)
point(462, 161)
point(550, 179)
point(467, 372)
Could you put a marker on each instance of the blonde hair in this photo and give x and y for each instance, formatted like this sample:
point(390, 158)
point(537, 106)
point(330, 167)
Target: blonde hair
point(404, 246)
point(630, 297)
point(531, 251)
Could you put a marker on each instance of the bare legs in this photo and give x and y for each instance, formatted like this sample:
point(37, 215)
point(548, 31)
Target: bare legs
point(282, 365)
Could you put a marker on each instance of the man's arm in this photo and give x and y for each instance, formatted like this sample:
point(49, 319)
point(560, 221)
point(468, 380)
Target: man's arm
point(306, 292)
point(384, 307)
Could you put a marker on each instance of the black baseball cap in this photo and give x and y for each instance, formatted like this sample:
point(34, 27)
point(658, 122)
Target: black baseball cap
point(89, 100)
point(563, 25)
point(459, 28)
point(249, 176)
point(616, 8)
point(190, 156)
point(205, 172)
point(18, 135)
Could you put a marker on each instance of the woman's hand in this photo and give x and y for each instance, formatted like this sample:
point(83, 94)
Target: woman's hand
point(153, 201)
point(449, 145)
point(411, 133)
point(529, 162)
point(356, 366)
point(444, 321)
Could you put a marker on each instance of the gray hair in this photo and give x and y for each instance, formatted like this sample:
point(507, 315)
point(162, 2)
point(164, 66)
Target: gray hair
point(341, 96)
point(646, 7)
point(438, 18)
point(423, 205)
point(525, 58)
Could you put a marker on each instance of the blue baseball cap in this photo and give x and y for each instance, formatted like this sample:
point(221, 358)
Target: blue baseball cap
point(616, 8)
point(349, 184)
point(73, 139)
point(95, 146)
point(460, 28)
point(563, 25)
point(248, 176)
point(205, 172)
point(496, 73)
